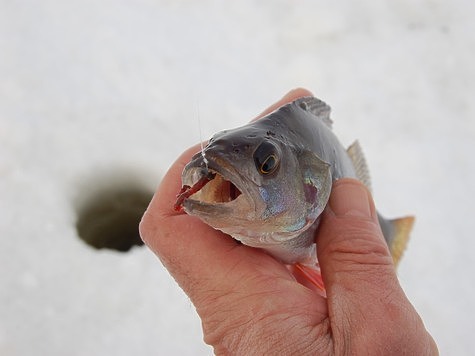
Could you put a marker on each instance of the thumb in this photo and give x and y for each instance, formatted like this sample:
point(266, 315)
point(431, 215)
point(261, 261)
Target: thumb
point(363, 292)
point(350, 243)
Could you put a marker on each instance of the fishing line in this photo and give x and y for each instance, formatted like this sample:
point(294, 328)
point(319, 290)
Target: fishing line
point(197, 109)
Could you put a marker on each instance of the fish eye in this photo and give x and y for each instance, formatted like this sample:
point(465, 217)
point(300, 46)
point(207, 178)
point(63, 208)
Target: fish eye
point(266, 158)
point(268, 165)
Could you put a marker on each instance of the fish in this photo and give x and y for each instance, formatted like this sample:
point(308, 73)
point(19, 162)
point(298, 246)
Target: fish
point(267, 183)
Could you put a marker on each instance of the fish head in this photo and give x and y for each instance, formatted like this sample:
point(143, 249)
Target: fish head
point(259, 188)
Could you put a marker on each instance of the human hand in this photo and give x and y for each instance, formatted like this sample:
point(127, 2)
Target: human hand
point(250, 304)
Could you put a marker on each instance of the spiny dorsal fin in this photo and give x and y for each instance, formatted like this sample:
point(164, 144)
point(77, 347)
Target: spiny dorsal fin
point(359, 162)
point(316, 107)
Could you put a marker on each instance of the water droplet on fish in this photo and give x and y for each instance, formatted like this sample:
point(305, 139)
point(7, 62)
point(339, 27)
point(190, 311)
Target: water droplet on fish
point(205, 160)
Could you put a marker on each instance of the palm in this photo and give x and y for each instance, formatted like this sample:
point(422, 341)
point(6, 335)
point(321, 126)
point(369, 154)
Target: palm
point(263, 291)
point(246, 288)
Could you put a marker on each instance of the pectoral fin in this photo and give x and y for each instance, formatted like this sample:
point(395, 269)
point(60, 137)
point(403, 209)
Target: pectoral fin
point(317, 181)
point(311, 277)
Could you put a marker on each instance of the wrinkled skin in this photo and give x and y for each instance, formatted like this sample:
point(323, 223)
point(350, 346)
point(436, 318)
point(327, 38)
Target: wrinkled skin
point(250, 304)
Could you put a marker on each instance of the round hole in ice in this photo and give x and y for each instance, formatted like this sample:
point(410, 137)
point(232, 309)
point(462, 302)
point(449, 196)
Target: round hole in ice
point(109, 218)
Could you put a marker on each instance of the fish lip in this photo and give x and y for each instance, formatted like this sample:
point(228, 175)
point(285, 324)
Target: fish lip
point(222, 167)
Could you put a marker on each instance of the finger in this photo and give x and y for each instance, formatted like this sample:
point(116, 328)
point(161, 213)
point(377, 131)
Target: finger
point(365, 300)
point(350, 242)
point(355, 261)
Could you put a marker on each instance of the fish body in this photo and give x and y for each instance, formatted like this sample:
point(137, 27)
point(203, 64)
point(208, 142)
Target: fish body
point(267, 183)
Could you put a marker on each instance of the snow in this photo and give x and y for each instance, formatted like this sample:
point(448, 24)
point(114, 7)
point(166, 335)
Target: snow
point(98, 90)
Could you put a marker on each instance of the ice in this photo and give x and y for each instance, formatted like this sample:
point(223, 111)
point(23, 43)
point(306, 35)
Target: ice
point(98, 88)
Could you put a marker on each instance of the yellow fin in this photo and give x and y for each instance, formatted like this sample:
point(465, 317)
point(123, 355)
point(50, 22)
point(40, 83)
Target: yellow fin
point(402, 228)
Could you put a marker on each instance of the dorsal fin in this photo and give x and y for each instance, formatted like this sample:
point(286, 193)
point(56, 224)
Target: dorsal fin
point(316, 107)
point(359, 162)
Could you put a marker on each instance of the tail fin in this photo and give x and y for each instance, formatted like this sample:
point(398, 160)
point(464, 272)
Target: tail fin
point(396, 233)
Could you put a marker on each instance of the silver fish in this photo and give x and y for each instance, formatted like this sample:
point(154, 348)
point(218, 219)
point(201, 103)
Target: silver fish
point(266, 183)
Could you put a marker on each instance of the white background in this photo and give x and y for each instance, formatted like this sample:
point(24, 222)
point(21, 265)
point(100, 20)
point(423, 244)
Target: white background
point(91, 90)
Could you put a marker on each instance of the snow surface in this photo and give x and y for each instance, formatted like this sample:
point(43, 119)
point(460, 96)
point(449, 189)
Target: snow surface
point(94, 89)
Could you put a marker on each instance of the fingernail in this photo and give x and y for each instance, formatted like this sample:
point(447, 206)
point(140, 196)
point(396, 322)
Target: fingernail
point(350, 198)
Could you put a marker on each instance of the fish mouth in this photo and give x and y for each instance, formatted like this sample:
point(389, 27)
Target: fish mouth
point(208, 185)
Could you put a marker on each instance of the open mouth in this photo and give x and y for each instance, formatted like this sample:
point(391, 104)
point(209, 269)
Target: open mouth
point(210, 188)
